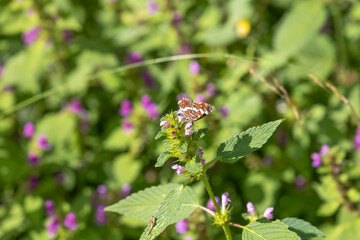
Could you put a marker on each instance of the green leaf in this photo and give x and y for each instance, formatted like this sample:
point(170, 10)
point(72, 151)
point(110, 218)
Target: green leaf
point(264, 229)
point(143, 204)
point(172, 209)
point(198, 134)
point(184, 147)
point(159, 135)
point(297, 28)
point(303, 229)
point(246, 142)
point(162, 159)
point(194, 165)
point(125, 169)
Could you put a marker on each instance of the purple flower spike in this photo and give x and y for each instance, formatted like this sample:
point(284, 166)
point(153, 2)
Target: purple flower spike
point(102, 190)
point(152, 7)
point(224, 111)
point(126, 108)
point(165, 124)
point(33, 159)
point(126, 190)
point(181, 226)
point(145, 101)
point(268, 213)
point(133, 57)
point(179, 169)
point(100, 215)
point(316, 159)
point(200, 153)
point(324, 150)
point(43, 143)
point(53, 226)
point(224, 201)
point(149, 106)
point(70, 221)
point(29, 130)
point(75, 106)
point(194, 67)
point(357, 140)
point(31, 36)
point(200, 97)
point(250, 208)
point(127, 126)
point(210, 205)
point(49, 207)
point(210, 89)
point(189, 129)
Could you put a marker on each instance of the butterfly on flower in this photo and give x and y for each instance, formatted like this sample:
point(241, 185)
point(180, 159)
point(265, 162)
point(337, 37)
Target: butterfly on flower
point(192, 111)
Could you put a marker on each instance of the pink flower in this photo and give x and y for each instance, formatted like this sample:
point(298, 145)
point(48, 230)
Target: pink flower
point(181, 119)
point(210, 89)
point(210, 205)
point(200, 97)
point(316, 159)
point(357, 140)
point(133, 57)
point(102, 190)
point(70, 221)
point(75, 106)
point(31, 36)
point(165, 124)
point(49, 207)
point(100, 215)
point(33, 159)
point(53, 226)
point(179, 169)
point(43, 142)
point(189, 129)
point(324, 150)
point(224, 201)
point(126, 190)
point(181, 226)
point(29, 130)
point(126, 108)
point(194, 67)
point(224, 111)
point(127, 126)
point(250, 208)
point(152, 7)
point(268, 213)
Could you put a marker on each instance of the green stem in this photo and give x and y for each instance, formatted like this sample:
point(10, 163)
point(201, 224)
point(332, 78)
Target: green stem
point(212, 197)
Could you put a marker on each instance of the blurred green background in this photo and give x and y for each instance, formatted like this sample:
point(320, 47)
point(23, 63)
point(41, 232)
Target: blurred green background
point(62, 72)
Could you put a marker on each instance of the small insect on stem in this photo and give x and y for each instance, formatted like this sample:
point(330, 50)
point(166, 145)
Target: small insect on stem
point(152, 222)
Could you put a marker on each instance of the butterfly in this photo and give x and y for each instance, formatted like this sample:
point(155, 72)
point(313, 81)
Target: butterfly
point(192, 111)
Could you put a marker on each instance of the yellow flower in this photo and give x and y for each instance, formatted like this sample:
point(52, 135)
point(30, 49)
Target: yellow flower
point(243, 28)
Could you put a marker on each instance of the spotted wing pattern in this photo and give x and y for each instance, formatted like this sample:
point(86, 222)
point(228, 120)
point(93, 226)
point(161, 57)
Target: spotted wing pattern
point(192, 111)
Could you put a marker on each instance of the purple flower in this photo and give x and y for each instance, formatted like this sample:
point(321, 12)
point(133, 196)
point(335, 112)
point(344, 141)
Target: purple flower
point(324, 150)
point(52, 226)
point(1, 69)
point(300, 182)
point(224, 111)
point(49, 207)
point(250, 208)
point(200, 97)
point(31, 36)
point(185, 48)
point(224, 201)
point(70, 221)
point(126, 108)
point(67, 35)
point(59, 178)
point(147, 79)
point(200, 153)
point(33, 182)
point(210, 89)
point(126, 190)
point(100, 215)
point(189, 129)
point(126, 125)
point(133, 57)
point(210, 205)
point(173, 132)
point(181, 96)
point(316, 159)
point(194, 67)
point(43, 143)
point(33, 159)
point(179, 169)
point(268, 213)
point(165, 124)
point(152, 7)
point(102, 190)
point(180, 116)
point(29, 130)
point(75, 106)
point(181, 226)
point(357, 140)
point(149, 106)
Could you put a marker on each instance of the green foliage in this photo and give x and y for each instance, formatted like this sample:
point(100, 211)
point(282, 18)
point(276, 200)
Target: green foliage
point(302, 228)
point(263, 229)
point(176, 206)
point(246, 142)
